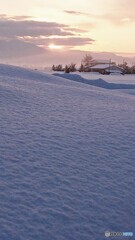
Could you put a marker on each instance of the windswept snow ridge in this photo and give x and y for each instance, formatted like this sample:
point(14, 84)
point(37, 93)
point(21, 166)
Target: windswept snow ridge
point(97, 82)
point(67, 158)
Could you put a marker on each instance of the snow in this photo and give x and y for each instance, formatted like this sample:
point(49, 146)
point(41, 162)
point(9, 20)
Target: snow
point(67, 158)
point(113, 78)
point(102, 66)
point(97, 82)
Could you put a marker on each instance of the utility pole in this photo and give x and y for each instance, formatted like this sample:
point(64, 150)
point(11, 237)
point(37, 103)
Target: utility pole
point(109, 65)
point(132, 69)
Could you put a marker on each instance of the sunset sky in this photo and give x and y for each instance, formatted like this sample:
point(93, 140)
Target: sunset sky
point(57, 25)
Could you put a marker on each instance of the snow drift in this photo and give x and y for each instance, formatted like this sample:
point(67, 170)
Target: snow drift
point(67, 158)
point(96, 82)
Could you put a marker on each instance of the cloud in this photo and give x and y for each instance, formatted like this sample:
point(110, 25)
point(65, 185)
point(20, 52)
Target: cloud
point(118, 19)
point(23, 17)
point(16, 48)
point(6, 17)
point(76, 13)
point(73, 41)
point(120, 12)
point(77, 30)
point(16, 28)
point(67, 42)
point(21, 36)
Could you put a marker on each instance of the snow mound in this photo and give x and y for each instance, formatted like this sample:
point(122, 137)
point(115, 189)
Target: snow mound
point(19, 73)
point(97, 82)
point(67, 158)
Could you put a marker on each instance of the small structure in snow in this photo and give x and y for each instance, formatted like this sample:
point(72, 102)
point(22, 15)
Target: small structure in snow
point(107, 68)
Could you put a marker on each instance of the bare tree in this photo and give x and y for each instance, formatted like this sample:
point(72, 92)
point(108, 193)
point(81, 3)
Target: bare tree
point(88, 62)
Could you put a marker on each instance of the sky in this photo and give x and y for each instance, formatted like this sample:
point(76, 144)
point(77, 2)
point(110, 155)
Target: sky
point(40, 26)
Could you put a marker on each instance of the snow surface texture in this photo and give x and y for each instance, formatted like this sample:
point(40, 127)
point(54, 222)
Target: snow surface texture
point(67, 166)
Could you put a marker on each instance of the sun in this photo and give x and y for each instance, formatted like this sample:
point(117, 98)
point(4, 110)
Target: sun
point(53, 46)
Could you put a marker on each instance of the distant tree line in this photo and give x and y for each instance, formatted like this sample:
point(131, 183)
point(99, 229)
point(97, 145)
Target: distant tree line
point(68, 68)
point(88, 62)
point(127, 69)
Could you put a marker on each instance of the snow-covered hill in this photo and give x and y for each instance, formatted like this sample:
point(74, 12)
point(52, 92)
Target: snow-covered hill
point(67, 152)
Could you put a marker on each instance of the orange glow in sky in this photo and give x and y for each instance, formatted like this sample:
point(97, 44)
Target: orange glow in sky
point(110, 23)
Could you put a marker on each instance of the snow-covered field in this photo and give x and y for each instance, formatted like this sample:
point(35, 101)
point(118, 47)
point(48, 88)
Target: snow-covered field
point(115, 78)
point(67, 157)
